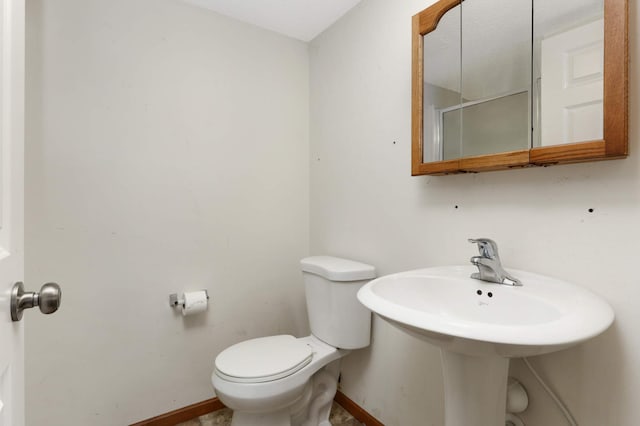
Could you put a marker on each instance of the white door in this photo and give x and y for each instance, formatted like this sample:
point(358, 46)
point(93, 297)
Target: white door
point(572, 85)
point(11, 208)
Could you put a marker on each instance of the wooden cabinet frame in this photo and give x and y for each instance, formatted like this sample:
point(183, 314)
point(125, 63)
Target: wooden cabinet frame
point(615, 104)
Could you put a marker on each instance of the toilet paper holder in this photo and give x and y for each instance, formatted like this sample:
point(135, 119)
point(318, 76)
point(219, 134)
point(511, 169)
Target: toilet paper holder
point(174, 302)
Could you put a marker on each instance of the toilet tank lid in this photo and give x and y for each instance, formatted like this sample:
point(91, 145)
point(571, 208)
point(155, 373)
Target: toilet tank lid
point(336, 269)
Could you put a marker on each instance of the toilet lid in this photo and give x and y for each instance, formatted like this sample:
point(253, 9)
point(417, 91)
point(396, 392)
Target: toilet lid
point(263, 359)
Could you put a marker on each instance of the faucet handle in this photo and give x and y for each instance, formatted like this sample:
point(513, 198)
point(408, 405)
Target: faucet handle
point(487, 247)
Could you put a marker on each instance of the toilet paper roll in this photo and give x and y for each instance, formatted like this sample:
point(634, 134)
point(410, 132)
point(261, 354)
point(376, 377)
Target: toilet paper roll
point(194, 302)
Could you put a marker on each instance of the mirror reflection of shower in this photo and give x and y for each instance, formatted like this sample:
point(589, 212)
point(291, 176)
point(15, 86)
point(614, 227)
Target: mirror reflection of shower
point(508, 75)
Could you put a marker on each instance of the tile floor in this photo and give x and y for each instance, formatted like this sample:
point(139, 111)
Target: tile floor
point(339, 417)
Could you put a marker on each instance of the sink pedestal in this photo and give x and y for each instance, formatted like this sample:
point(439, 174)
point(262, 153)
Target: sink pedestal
point(475, 389)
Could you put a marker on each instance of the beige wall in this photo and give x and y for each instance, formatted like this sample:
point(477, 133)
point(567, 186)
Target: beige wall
point(365, 205)
point(166, 151)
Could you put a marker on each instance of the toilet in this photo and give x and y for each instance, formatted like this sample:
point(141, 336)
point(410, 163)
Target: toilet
point(288, 381)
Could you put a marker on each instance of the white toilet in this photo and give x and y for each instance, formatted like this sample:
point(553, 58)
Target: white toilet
point(283, 380)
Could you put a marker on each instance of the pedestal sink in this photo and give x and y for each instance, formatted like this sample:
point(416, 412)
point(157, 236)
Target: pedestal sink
point(479, 326)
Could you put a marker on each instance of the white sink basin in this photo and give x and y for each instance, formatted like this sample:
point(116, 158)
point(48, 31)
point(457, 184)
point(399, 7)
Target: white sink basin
point(442, 305)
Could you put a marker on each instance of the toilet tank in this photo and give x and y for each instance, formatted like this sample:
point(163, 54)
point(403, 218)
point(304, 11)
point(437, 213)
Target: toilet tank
point(335, 315)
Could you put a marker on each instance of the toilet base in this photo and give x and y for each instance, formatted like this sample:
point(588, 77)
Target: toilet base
point(325, 385)
point(312, 409)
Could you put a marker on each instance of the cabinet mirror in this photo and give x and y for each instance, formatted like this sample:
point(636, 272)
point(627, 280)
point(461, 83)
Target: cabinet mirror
point(512, 83)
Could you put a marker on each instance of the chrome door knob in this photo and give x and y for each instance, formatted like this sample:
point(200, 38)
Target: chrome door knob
point(48, 300)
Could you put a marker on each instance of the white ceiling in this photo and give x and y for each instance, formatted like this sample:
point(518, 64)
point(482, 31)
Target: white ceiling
point(300, 19)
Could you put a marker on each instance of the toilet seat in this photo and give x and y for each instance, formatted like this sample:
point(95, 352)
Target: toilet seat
point(263, 359)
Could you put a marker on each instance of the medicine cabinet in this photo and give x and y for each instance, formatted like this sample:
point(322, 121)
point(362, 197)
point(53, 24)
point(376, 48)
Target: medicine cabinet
point(501, 84)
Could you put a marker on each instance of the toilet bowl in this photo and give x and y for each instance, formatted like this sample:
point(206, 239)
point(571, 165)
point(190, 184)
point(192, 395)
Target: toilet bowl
point(287, 381)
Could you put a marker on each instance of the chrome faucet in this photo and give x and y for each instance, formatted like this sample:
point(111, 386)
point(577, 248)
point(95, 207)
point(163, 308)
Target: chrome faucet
point(488, 263)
